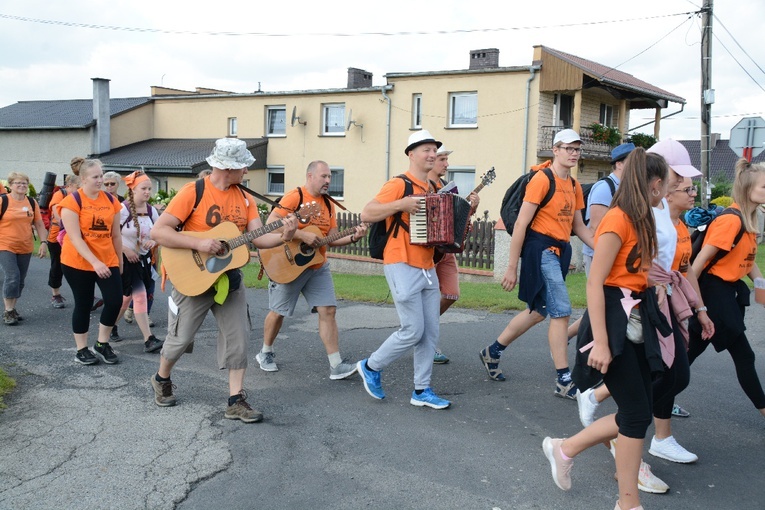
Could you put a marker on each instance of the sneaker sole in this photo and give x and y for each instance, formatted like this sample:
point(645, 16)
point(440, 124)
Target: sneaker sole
point(547, 447)
point(364, 380)
point(153, 349)
point(665, 457)
point(254, 419)
point(440, 362)
point(93, 362)
point(420, 403)
point(103, 358)
point(337, 377)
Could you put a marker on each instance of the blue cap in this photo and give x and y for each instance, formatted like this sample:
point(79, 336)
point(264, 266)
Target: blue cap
point(621, 151)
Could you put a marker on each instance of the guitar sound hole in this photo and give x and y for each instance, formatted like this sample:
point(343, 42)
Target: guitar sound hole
point(224, 249)
point(306, 249)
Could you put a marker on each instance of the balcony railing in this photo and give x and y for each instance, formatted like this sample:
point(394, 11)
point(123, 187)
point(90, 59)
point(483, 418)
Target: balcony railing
point(591, 149)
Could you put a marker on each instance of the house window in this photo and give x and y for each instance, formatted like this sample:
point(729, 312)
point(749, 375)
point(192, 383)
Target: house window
point(417, 111)
point(463, 109)
point(275, 180)
point(607, 115)
point(276, 121)
point(464, 178)
point(333, 116)
point(336, 184)
point(564, 110)
point(232, 126)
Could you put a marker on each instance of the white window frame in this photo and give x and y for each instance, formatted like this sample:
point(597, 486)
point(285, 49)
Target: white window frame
point(272, 110)
point(337, 172)
point(607, 114)
point(466, 183)
point(233, 126)
point(558, 119)
point(416, 111)
point(460, 102)
point(271, 171)
point(330, 114)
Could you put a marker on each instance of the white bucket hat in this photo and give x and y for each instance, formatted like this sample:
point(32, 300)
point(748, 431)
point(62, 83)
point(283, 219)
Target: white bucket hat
point(230, 154)
point(419, 138)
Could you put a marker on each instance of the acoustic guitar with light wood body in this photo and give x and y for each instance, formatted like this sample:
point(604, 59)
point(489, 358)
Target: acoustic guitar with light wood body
point(283, 264)
point(192, 272)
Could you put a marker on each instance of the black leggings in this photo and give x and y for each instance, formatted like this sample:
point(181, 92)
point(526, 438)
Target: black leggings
point(743, 358)
point(674, 379)
point(629, 381)
point(83, 289)
point(55, 274)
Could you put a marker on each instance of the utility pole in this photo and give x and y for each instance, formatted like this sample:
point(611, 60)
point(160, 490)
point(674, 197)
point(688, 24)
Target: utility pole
point(707, 99)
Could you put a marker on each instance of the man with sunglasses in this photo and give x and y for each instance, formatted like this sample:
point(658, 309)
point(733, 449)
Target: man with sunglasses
point(541, 238)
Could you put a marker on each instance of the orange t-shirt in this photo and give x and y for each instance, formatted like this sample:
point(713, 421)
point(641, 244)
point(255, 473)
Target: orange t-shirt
point(721, 234)
point(325, 221)
point(398, 249)
point(628, 270)
point(57, 197)
point(96, 219)
point(16, 226)
point(683, 252)
point(557, 217)
point(215, 207)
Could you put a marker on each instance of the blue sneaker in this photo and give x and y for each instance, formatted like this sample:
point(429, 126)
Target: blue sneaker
point(430, 399)
point(371, 380)
point(439, 358)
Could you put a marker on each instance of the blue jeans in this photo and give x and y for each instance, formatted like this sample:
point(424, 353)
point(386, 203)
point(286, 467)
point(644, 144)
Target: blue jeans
point(557, 302)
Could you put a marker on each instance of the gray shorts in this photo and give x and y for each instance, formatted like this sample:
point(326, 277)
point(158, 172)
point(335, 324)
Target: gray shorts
point(315, 285)
point(233, 318)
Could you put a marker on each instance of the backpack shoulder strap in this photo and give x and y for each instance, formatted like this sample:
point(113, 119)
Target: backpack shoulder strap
point(32, 204)
point(611, 184)
point(4, 206)
point(199, 188)
point(722, 253)
point(551, 191)
point(77, 198)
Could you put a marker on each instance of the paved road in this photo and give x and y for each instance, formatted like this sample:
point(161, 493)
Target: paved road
point(91, 437)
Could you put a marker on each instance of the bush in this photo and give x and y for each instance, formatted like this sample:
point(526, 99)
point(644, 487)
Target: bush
point(721, 188)
point(604, 134)
point(722, 201)
point(643, 140)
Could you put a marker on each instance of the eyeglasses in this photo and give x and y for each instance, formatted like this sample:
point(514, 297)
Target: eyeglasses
point(572, 150)
point(110, 184)
point(19, 183)
point(690, 190)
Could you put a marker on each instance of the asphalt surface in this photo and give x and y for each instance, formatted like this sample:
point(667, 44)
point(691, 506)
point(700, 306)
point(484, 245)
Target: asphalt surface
point(91, 437)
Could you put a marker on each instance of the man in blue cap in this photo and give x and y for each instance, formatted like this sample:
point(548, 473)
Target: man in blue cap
point(601, 193)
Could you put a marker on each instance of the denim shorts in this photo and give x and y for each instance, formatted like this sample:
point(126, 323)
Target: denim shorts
point(557, 304)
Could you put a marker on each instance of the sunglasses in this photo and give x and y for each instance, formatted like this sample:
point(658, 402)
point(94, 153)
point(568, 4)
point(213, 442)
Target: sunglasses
point(110, 184)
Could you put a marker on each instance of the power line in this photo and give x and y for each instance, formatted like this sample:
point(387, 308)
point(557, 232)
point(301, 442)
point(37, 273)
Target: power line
point(325, 34)
point(739, 63)
point(739, 45)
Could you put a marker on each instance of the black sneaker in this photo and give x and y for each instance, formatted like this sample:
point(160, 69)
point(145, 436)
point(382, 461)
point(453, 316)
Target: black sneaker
point(105, 353)
point(114, 336)
point(85, 357)
point(97, 303)
point(153, 344)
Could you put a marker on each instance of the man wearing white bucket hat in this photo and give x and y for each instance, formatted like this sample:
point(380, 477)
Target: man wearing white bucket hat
point(410, 273)
point(220, 200)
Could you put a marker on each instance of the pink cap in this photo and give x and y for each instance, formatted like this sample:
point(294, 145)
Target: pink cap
point(677, 157)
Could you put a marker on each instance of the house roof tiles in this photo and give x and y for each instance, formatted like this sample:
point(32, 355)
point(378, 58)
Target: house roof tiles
point(60, 114)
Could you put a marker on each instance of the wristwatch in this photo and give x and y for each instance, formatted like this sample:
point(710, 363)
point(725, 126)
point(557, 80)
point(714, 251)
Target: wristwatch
point(701, 309)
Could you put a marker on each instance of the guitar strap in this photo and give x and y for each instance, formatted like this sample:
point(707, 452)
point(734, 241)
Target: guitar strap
point(259, 196)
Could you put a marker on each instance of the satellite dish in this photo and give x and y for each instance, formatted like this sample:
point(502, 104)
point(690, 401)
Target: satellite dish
point(351, 122)
point(295, 118)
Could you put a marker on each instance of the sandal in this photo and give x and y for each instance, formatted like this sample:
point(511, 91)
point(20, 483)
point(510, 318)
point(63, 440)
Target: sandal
point(491, 365)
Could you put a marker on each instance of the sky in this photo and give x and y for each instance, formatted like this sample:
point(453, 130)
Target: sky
point(51, 50)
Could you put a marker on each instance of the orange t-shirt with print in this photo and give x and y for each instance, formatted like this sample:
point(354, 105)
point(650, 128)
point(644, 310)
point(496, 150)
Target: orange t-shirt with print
point(325, 221)
point(16, 226)
point(215, 207)
point(628, 270)
point(721, 234)
point(398, 249)
point(682, 259)
point(57, 197)
point(96, 219)
point(557, 217)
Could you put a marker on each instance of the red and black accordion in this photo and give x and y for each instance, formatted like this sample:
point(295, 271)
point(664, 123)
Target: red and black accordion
point(442, 221)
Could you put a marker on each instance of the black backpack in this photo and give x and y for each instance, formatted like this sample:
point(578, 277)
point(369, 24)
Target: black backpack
point(586, 192)
point(511, 203)
point(378, 234)
point(697, 239)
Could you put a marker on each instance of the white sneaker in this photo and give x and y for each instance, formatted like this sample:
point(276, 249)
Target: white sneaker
point(586, 407)
point(669, 449)
point(266, 361)
point(649, 482)
point(128, 316)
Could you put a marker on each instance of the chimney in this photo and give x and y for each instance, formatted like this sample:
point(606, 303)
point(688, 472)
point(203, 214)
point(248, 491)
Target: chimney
point(102, 115)
point(713, 142)
point(484, 59)
point(359, 78)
